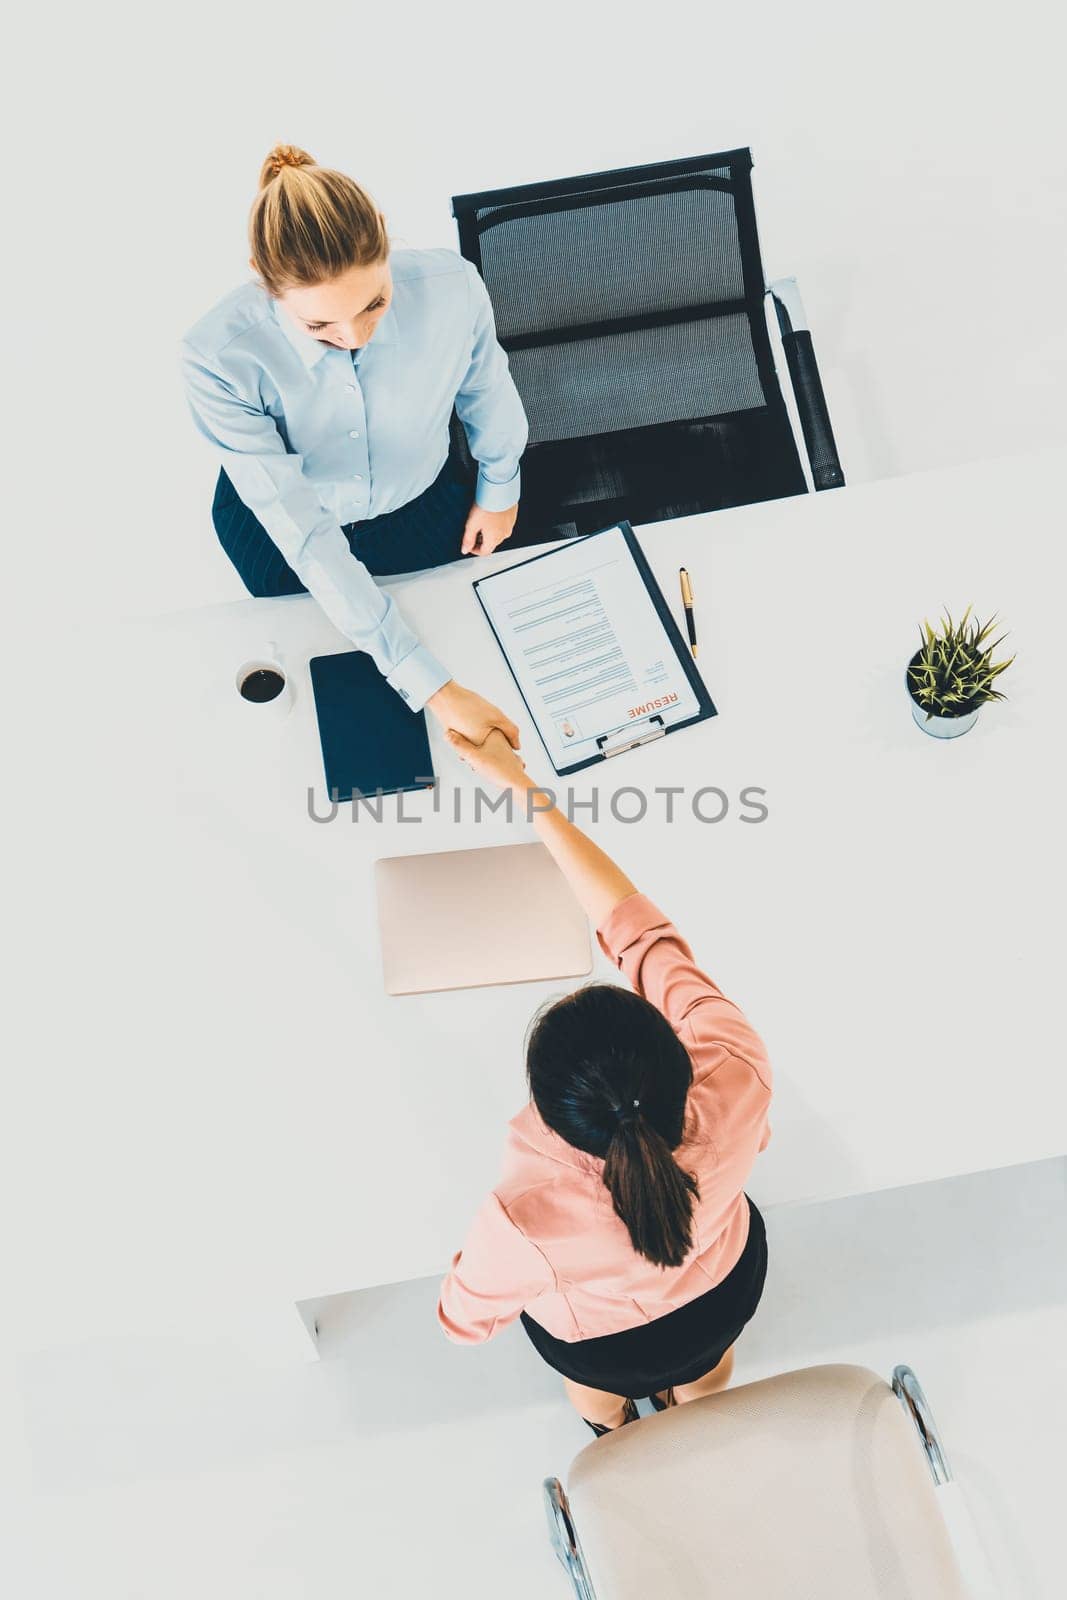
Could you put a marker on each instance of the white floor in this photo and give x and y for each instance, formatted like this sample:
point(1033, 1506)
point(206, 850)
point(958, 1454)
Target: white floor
point(403, 1466)
point(910, 171)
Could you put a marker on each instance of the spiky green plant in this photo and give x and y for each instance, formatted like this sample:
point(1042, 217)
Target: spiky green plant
point(953, 672)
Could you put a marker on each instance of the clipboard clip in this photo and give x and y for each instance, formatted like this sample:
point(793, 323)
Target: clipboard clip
point(626, 741)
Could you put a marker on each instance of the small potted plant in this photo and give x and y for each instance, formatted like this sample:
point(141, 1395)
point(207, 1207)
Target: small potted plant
point(952, 675)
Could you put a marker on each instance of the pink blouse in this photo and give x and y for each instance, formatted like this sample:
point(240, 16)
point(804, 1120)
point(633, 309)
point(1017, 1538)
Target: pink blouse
point(547, 1240)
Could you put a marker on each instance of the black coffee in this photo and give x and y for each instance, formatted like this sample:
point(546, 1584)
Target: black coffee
point(262, 684)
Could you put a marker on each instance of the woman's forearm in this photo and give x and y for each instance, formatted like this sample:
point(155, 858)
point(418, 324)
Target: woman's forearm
point(597, 882)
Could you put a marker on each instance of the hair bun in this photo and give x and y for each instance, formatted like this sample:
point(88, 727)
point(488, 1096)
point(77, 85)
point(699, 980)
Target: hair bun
point(283, 155)
point(626, 1115)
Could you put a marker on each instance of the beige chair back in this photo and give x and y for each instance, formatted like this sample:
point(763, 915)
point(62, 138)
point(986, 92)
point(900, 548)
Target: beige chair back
point(812, 1485)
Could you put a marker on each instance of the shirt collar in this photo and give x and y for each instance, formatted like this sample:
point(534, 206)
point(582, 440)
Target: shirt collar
point(386, 331)
point(532, 1131)
point(310, 350)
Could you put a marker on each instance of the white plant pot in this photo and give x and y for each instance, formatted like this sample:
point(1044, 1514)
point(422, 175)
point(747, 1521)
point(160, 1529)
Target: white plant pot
point(943, 727)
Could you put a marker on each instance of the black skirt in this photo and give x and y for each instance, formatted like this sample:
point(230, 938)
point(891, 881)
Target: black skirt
point(677, 1348)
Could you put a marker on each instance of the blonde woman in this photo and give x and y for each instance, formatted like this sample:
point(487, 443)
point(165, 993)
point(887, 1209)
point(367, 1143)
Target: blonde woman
point(326, 387)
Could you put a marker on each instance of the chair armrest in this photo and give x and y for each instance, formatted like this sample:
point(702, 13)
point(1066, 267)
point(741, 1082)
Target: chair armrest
point(826, 470)
point(978, 1578)
point(564, 1537)
point(908, 1391)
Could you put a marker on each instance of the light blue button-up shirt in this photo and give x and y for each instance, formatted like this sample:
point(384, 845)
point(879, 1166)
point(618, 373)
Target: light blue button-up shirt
point(313, 437)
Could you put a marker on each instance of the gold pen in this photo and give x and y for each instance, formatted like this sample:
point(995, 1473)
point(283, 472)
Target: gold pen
point(687, 603)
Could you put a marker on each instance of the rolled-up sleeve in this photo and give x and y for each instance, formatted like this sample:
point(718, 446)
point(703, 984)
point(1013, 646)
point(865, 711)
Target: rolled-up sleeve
point(646, 946)
point(489, 407)
point(271, 483)
point(496, 1275)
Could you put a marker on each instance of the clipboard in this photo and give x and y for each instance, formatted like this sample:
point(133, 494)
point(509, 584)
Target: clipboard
point(616, 741)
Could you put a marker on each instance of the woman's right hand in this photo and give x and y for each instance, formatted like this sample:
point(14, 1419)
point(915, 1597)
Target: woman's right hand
point(493, 759)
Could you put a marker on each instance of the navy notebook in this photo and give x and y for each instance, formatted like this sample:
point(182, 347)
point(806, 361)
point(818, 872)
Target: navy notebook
point(371, 742)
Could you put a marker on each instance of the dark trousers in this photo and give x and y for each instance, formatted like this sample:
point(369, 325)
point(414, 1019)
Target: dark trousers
point(427, 532)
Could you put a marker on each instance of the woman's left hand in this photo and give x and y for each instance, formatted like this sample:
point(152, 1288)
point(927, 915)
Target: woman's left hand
point(494, 527)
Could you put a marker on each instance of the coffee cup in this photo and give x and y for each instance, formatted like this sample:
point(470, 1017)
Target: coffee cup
point(262, 681)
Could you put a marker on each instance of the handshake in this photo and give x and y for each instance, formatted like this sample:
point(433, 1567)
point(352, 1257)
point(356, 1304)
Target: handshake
point(484, 737)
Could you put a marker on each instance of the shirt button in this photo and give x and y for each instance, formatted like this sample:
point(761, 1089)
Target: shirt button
point(354, 434)
point(358, 477)
point(352, 386)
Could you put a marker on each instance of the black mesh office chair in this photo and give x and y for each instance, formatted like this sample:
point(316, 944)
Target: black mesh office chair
point(631, 305)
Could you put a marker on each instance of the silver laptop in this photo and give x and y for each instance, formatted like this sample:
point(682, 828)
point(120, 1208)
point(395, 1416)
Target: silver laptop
point(465, 918)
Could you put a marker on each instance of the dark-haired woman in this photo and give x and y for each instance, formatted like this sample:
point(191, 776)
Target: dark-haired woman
point(620, 1230)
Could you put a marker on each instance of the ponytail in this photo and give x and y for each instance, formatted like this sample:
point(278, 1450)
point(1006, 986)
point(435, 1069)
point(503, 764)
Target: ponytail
point(608, 1073)
point(650, 1192)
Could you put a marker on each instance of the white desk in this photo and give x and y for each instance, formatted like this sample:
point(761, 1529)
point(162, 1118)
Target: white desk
point(891, 928)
